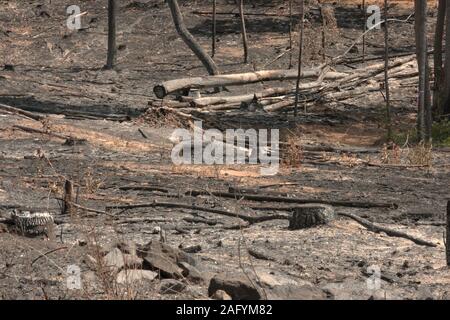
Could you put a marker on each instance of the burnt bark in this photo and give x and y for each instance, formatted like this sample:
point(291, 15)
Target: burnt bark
point(424, 117)
point(386, 69)
point(447, 242)
point(112, 48)
point(214, 28)
point(243, 30)
point(300, 55)
point(446, 107)
point(189, 40)
point(68, 198)
point(439, 94)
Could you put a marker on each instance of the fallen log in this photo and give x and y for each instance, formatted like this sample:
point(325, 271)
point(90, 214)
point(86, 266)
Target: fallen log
point(171, 86)
point(267, 198)
point(280, 105)
point(27, 114)
point(49, 133)
point(363, 74)
point(247, 98)
point(390, 232)
point(344, 95)
point(208, 101)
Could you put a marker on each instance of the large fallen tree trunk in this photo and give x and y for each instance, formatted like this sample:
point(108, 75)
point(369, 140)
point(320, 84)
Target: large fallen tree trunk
point(171, 86)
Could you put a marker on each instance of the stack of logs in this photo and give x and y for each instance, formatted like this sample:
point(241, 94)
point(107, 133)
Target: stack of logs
point(319, 85)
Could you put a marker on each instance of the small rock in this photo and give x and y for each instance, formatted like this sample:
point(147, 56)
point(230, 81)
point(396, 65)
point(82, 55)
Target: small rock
point(157, 261)
point(192, 273)
point(162, 257)
point(310, 215)
point(171, 286)
point(156, 230)
point(424, 293)
point(128, 247)
point(192, 249)
point(221, 295)
point(266, 279)
point(132, 261)
point(114, 260)
point(129, 276)
point(236, 285)
point(294, 292)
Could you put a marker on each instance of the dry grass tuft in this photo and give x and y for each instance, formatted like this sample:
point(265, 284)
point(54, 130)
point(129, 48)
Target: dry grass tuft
point(291, 151)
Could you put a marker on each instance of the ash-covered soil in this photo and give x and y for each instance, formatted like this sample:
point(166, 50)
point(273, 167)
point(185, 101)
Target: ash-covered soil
point(116, 165)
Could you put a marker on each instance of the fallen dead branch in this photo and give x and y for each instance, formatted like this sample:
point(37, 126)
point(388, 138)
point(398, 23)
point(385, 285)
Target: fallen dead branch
point(49, 133)
point(390, 232)
point(47, 253)
point(155, 204)
point(268, 198)
point(27, 114)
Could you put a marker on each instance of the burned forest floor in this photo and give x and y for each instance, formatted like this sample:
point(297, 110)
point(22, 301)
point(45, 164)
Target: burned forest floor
point(101, 133)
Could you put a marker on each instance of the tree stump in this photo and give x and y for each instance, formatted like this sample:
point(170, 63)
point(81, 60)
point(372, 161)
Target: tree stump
point(310, 215)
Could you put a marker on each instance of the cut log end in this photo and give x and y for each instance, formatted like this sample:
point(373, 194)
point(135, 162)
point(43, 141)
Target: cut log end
point(311, 215)
point(160, 91)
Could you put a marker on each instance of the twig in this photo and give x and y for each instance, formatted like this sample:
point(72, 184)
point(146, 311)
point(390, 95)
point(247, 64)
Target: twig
point(252, 197)
point(155, 204)
point(390, 232)
point(21, 112)
point(46, 253)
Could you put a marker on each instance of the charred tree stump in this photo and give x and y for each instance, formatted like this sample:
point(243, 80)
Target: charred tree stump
point(68, 198)
point(310, 215)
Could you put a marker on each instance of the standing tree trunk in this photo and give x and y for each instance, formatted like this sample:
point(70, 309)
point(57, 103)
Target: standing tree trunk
point(324, 36)
point(214, 28)
point(386, 70)
point(112, 49)
point(424, 117)
point(446, 108)
point(189, 39)
point(439, 94)
point(300, 55)
point(364, 9)
point(243, 30)
point(447, 242)
point(291, 25)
